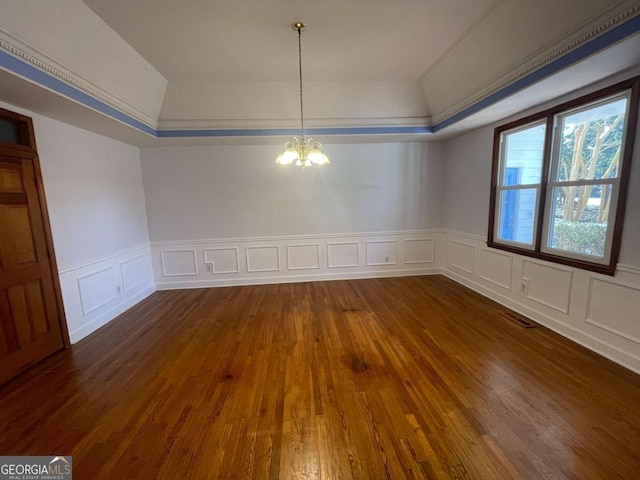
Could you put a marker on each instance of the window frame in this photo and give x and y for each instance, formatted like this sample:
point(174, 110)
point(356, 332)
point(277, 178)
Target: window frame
point(530, 186)
point(539, 250)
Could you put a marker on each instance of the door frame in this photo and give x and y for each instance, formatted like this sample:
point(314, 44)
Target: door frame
point(28, 150)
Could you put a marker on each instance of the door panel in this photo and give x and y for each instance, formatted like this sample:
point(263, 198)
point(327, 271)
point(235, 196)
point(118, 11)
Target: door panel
point(8, 339)
point(20, 233)
point(11, 180)
point(20, 316)
point(30, 327)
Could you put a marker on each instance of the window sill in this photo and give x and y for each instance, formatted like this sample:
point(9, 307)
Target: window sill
point(571, 262)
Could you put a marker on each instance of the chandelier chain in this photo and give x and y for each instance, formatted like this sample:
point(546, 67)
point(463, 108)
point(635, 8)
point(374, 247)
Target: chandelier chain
point(300, 65)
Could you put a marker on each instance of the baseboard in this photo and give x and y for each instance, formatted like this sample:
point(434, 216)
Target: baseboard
point(106, 317)
point(296, 278)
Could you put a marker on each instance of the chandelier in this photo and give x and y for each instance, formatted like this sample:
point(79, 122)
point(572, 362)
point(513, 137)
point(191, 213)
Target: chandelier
point(303, 152)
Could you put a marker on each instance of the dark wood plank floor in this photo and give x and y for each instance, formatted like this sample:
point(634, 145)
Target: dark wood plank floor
point(412, 377)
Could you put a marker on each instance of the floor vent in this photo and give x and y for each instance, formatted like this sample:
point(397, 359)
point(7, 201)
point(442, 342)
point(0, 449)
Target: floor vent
point(519, 319)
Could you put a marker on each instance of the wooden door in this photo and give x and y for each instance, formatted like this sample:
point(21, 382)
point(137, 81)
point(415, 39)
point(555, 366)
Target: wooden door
point(31, 320)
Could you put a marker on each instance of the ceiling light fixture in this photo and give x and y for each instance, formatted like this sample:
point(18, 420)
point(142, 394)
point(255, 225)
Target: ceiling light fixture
point(303, 152)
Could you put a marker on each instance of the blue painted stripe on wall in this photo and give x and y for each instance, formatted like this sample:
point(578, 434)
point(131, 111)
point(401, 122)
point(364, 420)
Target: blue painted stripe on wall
point(251, 132)
point(607, 39)
point(25, 70)
point(422, 129)
point(271, 132)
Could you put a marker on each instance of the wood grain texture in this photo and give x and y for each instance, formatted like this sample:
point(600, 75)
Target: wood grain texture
point(412, 377)
point(29, 317)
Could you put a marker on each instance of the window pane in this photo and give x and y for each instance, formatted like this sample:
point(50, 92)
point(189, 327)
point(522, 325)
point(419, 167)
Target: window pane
point(8, 131)
point(516, 214)
point(590, 142)
point(579, 219)
point(523, 156)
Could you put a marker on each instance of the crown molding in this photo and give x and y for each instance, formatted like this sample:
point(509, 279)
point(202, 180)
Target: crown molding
point(17, 48)
point(581, 36)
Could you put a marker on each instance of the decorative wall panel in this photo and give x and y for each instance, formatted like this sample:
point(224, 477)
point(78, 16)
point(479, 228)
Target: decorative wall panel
point(381, 252)
point(222, 260)
point(303, 257)
point(343, 254)
point(419, 251)
point(495, 267)
point(178, 263)
point(263, 259)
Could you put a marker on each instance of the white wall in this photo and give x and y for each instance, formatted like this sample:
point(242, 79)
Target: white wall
point(467, 180)
point(94, 190)
point(239, 191)
point(95, 198)
point(598, 311)
point(238, 198)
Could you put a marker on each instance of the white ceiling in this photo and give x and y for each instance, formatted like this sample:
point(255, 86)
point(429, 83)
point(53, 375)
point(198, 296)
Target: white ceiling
point(252, 40)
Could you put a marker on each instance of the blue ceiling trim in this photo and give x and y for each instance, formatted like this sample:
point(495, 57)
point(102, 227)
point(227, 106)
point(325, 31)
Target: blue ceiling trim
point(605, 40)
point(399, 130)
point(251, 132)
point(271, 132)
point(44, 79)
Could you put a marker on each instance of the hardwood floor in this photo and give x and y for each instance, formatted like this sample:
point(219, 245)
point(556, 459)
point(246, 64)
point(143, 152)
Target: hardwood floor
point(412, 377)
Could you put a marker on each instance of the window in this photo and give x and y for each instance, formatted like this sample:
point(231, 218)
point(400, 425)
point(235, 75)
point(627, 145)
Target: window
point(559, 180)
point(13, 129)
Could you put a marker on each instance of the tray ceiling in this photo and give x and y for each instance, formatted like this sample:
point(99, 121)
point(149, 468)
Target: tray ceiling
point(201, 68)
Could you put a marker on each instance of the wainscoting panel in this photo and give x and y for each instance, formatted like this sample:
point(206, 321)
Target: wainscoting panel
point(419, 251)
point(303, 257)
point(299, 258)
point(96, 292)
point(133, 273)
point(463, 256)
point(341, 255)
point(495, 267)
point(614, 307)
point(548, 284)
point(96, 289)
point(597, 311)
point(222, 260)
point(381, 252)
point(263, 259)
point(179, 263)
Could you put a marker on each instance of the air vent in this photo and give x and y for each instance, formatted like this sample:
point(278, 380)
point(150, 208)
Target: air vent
point(519, 319)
